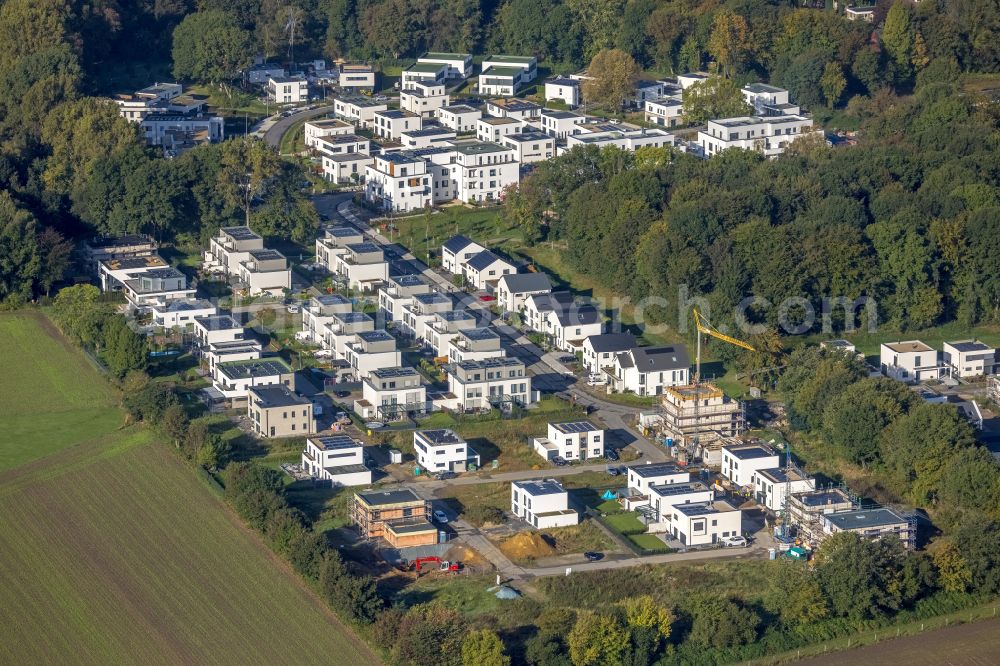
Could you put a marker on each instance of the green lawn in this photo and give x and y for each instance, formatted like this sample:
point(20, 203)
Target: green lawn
point(648, 541)
point(53, 398)
point(624, 522)
point(424, 233)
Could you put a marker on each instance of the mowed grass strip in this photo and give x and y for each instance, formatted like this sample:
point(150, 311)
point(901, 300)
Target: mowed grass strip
point(52, 398)
point(131, 559)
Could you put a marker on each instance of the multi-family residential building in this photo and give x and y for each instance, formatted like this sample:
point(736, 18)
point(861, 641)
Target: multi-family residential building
point(561, 124)
point(418, 314)
point(442, 328)
point(287, 90)
point(392, 394)
point(496, 382)
point(771, 487)
point(769, 135)
point(599, 350)
point(423, 98)
point(969, 358)
point(563, 88)
point(338, 459)
point(399, 182)
point(428, 137)
point(265, 271)
point(424, 72)
point(603, 135)
point(514, 288)
point(490, 128)
point(392, 123)
point(530, 147)
point(443, 451)
point(649, 370)
point(576, 440)
point(398, 516)
point(456, 251)
point(459, 117)
point(510, 107)
point(342, 329)
point(278, 411)
point(481, 171)
point(542, 504)
point(371, 350)
point(703, 413)
point(805, 510)
point(180, 314)
point(233, 379)
point(359, 109)
point(741, 462)
point(475, 344)
point(485, 269)
point(565, 322)
point(503, 75)
point(704, 523)
point(910, 361)
point(399, 292)
point(459, 64)
point(363, 265)
point(664, 111)
point(316, 129)
point(334, 241)
point(355, 77)
point(319, 311)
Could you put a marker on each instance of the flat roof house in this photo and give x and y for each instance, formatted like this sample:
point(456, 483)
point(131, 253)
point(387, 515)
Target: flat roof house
point(278, 411)
point(235, 378)
point(740, 463)
point(319, 311)
point(423, 72)
point(512, 289)
point(342, 328)
point(418, 314)
point(495, 382)
point(542, 504)
point(969, 358)
point(643, 477)
point(230, 248)
point(599, 350)
point(358, 109)
point(180, 314)
point(704, 523)
point(428, 137)
point(443, 451)
point(346, 167)
point(370, 351)
point(288, 90)
point(662, 499)
point(769, 135)
point(265, 271)
point(392, 123)
point(806, 510)
point(400, 517)
point(576, 440)
point(563, 88)
point(316, 129)
point(530, 147)
point(338, 459)
point(510, 107)
point(561, 124)
point(443, 327)
point(364, 266)
point(104, 248)
point(649, 370)
point(156, 286)
point(459, 64)
point(392, 394)
point(504, 75)
point(456, 251)
point(399, 182)
point(475, 344)
point(664, 111)
point(399, 291)
point(489, 128)
point(356, 76)
point(424, 98)
point(910, 361)
point(217, 328)
point(459, 117)
point(872, 524)
point(772, 487)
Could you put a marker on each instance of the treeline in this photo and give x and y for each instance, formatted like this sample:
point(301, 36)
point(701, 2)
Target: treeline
point(98, 327)
point(910, 217)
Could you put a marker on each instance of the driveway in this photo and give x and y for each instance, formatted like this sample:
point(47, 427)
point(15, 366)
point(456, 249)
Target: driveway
point(274, 133)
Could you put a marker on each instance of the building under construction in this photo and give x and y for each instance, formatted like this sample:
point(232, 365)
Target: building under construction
point(699, 418)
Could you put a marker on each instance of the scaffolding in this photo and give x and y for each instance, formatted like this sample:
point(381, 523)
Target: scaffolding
point(699, 418)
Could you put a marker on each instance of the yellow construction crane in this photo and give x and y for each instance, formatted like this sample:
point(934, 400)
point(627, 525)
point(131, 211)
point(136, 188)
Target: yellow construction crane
point(704, 327)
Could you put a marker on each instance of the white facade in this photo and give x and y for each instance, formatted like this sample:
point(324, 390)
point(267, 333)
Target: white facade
point(740, 463)
point(342, 329)
point(644, 477)
point(398, 292)
point(761, 95)
point(626, 139)
point(346, 168)
point(358, 110)
point(769, 135)
point(364, 266)
point(180, 313)
point(578, 440)
point(481, 171)
point(315, 129)
point(392, 123)
point(649, 370)
point(772, 486)
point(230, 248)
point(216, 328)
point(663, 499)
point(542, 504)
point(563, 88)
point(494, 129)
point(370, 351)
point(356, 77)
point(418, 315)
point(334, 241)
point(341, 144)
point(460, 118)
point(423, 99)
point(283, 90)
point(398, 182)
point(265, 271)
point(496, 382)
point(456, 251)
point(430, 137)
point(485, 269)
point(475, 344)
point(704, 523)
point(320, 311)
point(234, 378)
point(443, 450)
point(423, 72)
point(159, 128)
point(509, 107)
point(599, 350)
point(909, 361)
point(664, 111)
point(512, 290)
point(530, 147)
point(561, 124)
point(338, 459)
point(969, 358)
point(391, 394)
point(459, 64)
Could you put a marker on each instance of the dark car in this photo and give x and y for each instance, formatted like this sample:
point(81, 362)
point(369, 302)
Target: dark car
point(569, 358)
point(610, 454)
point(614, 471)
point(342, 394)
point(444, 476)
point(559, 461)
point(593, 556)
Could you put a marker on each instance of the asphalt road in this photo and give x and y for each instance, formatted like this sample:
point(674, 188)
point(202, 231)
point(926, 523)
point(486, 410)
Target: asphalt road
point(273, 134)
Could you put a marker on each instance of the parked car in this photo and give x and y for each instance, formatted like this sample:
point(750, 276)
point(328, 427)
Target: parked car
point(444, 476)
point(593, 556)
point(734, 542)
point(559, 461)
point(613, 471)
point(441, 517)
point(342, 394)
point(293, 309)
point(568, 358)
point(610, 454)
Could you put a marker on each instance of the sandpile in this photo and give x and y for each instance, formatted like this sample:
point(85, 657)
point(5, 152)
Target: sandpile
point(526, 545)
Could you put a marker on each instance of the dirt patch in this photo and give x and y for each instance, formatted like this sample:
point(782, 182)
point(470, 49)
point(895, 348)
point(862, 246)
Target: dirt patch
point(526, 546)
point(467, 556)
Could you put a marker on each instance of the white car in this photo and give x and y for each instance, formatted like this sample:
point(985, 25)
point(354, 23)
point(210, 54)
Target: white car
point(441, 517)
point(734, 542)
point(293, 309)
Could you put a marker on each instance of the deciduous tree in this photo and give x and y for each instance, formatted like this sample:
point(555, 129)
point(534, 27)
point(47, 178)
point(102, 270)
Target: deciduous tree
point(612, 78)
point(483, 648)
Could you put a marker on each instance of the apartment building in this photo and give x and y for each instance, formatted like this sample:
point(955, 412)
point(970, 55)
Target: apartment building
point(278, 411)
point(496, 382)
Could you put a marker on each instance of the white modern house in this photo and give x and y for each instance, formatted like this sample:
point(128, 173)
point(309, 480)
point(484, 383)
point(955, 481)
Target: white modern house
point(643, 477)
point(338, 459)
point(481, 171)
point(217, 328)
point(662, 499)
point(398, 292)
point(603, 135)
point(649, 370)
point(421, 311)
point(443, 327)
point(265, 271)
point(910, 361)
point(233, 378)
point(424, 72)
point(341, 144)
point(490, 128)
point(392, 123)
point(769, 135)
point(423, 98)
point(428, 137)
point(475, 344)
point(317, 129)
point(503, 75)
point(485, 269)
point(771, 487)
point(969, 358)
point(459, 64)
point(459, 117)
point(443, 451)
point(173, 130)
point(514, 288)
point(363, 265)
point(563, 88)
point(576, 440)
point(333, 242)
point(456, 251)
point(530, 147)
point(542, 504)
point(319, 311)
point(356, 76)
point(359, 110)
point(664, 111)
point(230, 248)
point(599, 350)
point(767, 100)
point(704, 523)
point(180, 314)
point(392, 394)
point(399, 182)
point(346, 167)
point(561, 124)
point(287, 90)
point(741, 462)
point(342, 329)
point(371, 350)
point(496, 382)
point(511, 107)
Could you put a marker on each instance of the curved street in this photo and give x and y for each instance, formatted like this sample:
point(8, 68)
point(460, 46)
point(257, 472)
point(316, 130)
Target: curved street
point(274, 133)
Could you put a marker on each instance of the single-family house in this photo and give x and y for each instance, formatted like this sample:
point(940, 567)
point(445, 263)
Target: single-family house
point(428, 137)
point(418, 314)
point(511, 107)
point(873, 524)
point(649, 370)
point(358, 109)
point(461, 118)
point(643, 477)
point(741, 462)
point(563, 88)
point(443, 327)
point(424, 72)
point(339, 459)
point(503, 75)
point(576, 440)
point(424, 98)
point(392, 394)
point(773, 486)
point(392, 123)
point(319, 311)
point(704, 523)
point(364, 265)
point(475, 344)
point(664, 111)
point(398, 182)
point(371, 350)
point(346, 167)
point(910, 361)
point(233, 379)
point(230, 248)
point(317, 129)
point(180, 314)
point(265, 271)
point(484, 270)
point(399, 291)
point(355, 77)
point(969, 358)
point(278, 411)
point(542, 504)
point(342, 329)
point(217, 328)
point(513, 288)
point(456, 251)
point(459, 64)
point(287, 90)
point(561, 124)
point(400, 517)
point(489, 128)
point(530, 147)
point(443, 451)
point(599, 350)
